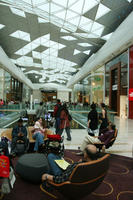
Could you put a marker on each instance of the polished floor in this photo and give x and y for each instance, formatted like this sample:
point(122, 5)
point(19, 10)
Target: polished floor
point(122, 146)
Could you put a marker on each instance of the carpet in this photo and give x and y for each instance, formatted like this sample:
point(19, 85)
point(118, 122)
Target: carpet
point(117, 185)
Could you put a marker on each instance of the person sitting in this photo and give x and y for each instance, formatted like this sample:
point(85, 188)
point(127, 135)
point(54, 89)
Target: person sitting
point(19, 133)
point(105, 137)
point(59, 175)
point(39, 132)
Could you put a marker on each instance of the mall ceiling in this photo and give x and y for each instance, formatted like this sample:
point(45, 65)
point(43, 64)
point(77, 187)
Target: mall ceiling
point(50, 40)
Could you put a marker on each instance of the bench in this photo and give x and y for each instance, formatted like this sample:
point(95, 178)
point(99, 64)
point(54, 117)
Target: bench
point(8, 133)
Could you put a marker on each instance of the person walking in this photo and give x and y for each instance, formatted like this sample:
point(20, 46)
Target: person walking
point(64, 122)
point(93, 121)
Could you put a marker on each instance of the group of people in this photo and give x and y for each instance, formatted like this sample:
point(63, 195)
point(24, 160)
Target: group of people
point(62, 121)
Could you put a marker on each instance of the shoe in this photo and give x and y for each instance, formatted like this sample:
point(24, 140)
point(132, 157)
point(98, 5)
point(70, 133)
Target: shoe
point(80, 153)
point(68, 139)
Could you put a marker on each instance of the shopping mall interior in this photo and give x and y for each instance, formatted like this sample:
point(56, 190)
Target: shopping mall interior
point(78, 51)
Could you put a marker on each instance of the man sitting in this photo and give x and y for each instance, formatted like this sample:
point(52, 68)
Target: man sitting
point(59, 175)
point(19, 133)
point(105, 137)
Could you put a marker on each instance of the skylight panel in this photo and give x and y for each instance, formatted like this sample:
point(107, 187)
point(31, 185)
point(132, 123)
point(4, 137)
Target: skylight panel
point(68, 38)
point(21, 35)
point(76, 52)
point(55, 8)
point(28, 1)
point(69, 27)
point(96, 26)
point(37, 65)
point(60, 2)
point(64, 31)
point(61, 14)
point(87, 52)
point(86, 27)
point(102, 10)
point(77, 7)
point(2, 26)
point(71, 2)
point(60, 46)
point(44, 7)
point(106, 37)
point(84, 44)
point(75, 21)
point(36, 54)
point(41, 20)
point(35, 2)
point(88, 4)
point(70, 14)
point(17, 12)
point(98, 31)
point(85, 20)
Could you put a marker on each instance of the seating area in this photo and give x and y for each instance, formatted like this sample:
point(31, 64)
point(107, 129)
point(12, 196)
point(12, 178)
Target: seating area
point(85, 178)
point(8, 133)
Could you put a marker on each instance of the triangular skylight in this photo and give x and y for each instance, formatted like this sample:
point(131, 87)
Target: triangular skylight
point(76, 52)
point(64, 31)
point(84, 44)
point(75, 20)
point(85, 20)
point(60, 2)
point(70, 14)
point(106, 37)
point(86, 27)
point(61, 14)
point(44, 7)
point(87, 52)
point(77, 7)
point(21, 35)
point(55, 8)
point(41, 20)
point(102, 10)
point(88, 4)
point(96, 26)
point(36, 2)
point(68, 38)
point(18, 12)
point(2, 26)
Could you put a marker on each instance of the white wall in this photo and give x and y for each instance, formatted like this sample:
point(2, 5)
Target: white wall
point(63, 95)
point(37, 95)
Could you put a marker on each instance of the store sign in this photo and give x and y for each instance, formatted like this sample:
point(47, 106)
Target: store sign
point(131, 94)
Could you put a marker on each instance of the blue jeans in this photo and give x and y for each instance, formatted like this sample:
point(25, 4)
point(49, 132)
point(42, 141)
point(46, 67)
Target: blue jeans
point(54, 168)
point(57, 125)
point(39, 140)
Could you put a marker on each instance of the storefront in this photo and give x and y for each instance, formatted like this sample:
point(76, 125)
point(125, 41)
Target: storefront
point(116, 84)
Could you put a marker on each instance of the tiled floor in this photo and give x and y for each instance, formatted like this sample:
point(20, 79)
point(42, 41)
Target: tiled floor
point(122, 146)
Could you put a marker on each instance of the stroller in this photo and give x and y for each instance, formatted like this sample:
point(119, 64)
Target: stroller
point(54, 144)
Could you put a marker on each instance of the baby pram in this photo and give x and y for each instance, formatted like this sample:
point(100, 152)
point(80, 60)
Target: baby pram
point(54, 144)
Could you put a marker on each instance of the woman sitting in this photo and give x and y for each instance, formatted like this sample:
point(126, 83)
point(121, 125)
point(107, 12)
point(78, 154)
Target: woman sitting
point(39, 133)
